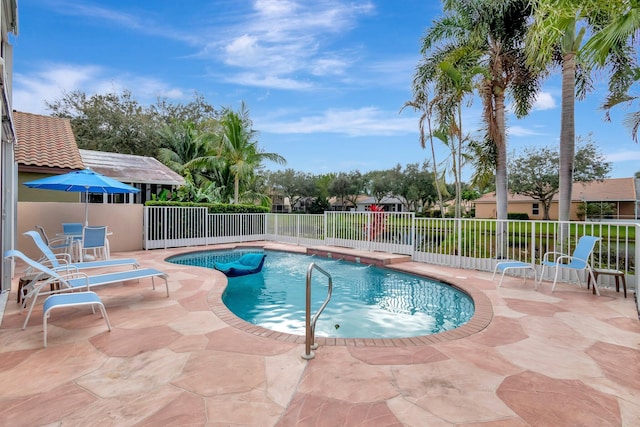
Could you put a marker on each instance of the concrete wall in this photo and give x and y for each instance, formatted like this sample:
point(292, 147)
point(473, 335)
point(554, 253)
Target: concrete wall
point(123, 220)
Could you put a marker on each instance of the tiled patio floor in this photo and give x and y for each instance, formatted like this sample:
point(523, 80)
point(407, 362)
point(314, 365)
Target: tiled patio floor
point(564, 359)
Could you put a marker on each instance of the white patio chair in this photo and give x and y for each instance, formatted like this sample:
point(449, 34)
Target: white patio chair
point(94, 239)
point(578, 261)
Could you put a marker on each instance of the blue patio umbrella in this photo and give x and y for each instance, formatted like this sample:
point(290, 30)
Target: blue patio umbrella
point(82, 181)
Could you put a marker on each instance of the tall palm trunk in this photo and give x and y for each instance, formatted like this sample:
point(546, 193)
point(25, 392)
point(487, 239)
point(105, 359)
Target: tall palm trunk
point(436, 180)
point(236, 189)
point(501, 157)
point(567, 135)
point(458, 171)
point(502, 184)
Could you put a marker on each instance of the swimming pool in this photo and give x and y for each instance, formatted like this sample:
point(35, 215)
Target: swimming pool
point(367, 301)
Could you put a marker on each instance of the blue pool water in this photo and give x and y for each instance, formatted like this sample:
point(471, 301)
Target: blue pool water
point(367, 301)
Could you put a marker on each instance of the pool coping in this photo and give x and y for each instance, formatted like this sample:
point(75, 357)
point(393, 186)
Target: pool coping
point(483, 310)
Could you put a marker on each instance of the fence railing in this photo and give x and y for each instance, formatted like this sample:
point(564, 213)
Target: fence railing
point(464, 243)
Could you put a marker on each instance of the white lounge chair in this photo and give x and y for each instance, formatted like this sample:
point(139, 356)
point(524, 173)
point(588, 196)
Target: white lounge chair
point(504, 266)
point(74, 299)
point(63, 261)
point(61, 244)
point(76, 280)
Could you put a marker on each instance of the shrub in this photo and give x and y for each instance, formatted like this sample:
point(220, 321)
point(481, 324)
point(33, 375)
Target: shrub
point(518, 215)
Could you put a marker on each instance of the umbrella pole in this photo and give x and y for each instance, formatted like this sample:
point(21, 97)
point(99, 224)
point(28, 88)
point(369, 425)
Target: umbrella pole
point(86, 208)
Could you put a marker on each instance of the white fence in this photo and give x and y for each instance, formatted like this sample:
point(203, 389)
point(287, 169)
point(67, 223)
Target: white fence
point(464, 243)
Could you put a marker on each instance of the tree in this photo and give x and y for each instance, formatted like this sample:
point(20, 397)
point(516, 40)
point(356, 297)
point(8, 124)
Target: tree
point(612, 44)
point(238, 148)
point(340, 188)
point(110, 122)
point(555, 37)
point(414, 185)
point(488, 33)
point(534, 173)
point(180, 144)
point(356, 186)
point(377, 184)
point(421, 103)
point(296, 186)
point(117, 122)
point(197, 111)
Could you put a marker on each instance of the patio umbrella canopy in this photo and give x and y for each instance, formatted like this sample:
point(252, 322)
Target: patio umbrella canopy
point(82, 181)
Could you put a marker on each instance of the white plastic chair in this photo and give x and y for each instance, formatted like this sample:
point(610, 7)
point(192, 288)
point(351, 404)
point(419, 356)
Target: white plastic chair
point(73, 233)
point(57, 245)
point(578, 261)
point(94, 239)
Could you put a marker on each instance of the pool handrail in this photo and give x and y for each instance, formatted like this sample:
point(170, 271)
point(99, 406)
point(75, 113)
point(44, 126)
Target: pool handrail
point(310, 323)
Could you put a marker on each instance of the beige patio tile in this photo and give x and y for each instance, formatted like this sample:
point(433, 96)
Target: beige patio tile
point(283, 373)
point(122, 376)
point(210, 373)
point(48, 368)
point(538, 355)
point(335, 374)
point(444, 388)
point(523, 352)
point(197, 323)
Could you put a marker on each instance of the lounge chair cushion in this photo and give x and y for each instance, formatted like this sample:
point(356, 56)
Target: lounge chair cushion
point(75, 299)
point(247, 264)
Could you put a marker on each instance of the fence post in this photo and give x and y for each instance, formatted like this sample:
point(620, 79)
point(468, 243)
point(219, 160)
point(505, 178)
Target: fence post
point(145, 227)
point(636, 273)
point(460, 242)
point(164, 226)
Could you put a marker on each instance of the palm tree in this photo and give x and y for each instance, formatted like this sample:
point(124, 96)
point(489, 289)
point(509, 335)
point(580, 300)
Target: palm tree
point(612, 45)
point(547, 45)
point(490, 33)
point(421, 102)
point(182, 143)
point(238, 149)
point(554, 37)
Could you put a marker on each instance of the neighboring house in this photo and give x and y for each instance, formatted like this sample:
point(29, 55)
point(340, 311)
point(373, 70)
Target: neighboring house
point(390, 204)
point(146, 173)
point(280, 204)
point(8, 200)
point(46, 146)
point(621, 192)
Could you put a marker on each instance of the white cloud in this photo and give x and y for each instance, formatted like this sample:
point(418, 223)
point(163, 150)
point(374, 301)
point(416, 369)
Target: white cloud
point(287, 38)
point(30, 91)
point(623, 156)
point(521, 131)
point(544, 101)
point(366, 121)
point(136, 21)
point(267, 81)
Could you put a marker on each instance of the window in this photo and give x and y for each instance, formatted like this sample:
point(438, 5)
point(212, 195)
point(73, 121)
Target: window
point(535, 209)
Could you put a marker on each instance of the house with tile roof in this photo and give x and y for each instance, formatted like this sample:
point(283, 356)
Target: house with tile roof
point(619, 193)
point(364, 202)
point(46, 146)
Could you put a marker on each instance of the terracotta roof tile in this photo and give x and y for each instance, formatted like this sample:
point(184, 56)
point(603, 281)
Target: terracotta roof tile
point(45, 141)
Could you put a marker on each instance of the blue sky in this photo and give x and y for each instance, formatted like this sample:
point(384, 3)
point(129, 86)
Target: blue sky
point(324, 80)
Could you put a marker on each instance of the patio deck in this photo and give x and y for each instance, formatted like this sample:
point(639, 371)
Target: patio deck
point(563, 359)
